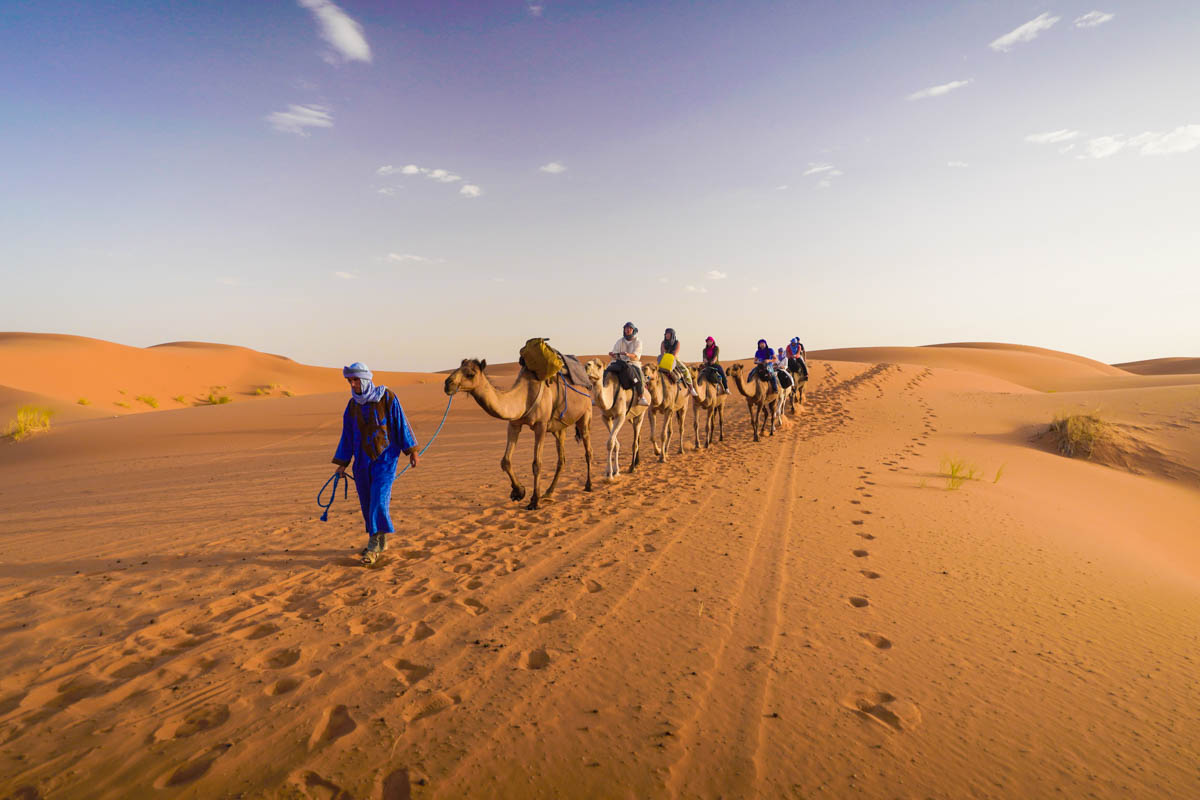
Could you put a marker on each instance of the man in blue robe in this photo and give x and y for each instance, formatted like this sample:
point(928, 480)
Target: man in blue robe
point(374, 433)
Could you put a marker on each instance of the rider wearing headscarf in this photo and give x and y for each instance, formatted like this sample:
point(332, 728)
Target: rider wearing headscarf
point(374, 434)
point(765, 356)
point(711, 356)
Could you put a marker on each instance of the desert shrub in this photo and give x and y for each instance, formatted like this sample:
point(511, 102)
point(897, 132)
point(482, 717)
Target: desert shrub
point(999, 472)
point(148, 400)
point(179, 398)
point(288, 393)
point(83, 401)
point(30, 420)
point(122, 404)
point(262, 390)
point(1077, 434)
point(215, 397)
point(958, 471)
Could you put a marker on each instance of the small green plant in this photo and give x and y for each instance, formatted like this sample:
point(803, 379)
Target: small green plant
point(215, 398)
point(262, 390)
point(83, 401)
point(1077, 434)
point(122, 404)
point(999, 472)
point(30, 420)
point(148, 400)
point(179, 398)
point(958, 471)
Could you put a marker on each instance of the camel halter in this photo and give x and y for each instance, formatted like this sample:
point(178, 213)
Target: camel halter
point(336, 476)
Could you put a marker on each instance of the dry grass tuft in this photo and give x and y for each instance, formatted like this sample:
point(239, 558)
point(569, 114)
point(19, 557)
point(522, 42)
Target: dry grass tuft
point(30, 420)
point(958, 471)
point(83, 401)
point(179, 398)
point(148, 400)
point(216, 397)
point(1077, 434)
point(122, 404)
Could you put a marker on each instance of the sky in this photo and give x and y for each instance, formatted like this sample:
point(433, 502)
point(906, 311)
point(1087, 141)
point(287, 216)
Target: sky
point(411, 183)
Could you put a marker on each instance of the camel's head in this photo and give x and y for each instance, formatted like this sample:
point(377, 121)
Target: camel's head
point(735, 369)
point(594, 370)
point(468, 375)
point(652, 377)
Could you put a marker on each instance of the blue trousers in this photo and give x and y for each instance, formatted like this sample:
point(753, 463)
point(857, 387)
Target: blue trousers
point(374, 484)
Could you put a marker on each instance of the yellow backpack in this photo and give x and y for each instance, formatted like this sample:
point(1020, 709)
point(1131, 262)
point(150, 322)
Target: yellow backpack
point(541, 359)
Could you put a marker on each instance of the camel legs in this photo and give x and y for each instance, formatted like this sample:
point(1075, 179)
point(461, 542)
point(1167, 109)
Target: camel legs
point(637, 441)
point(666, 436)
point(560, 445)
point(753, 410)
point(696, 426)
point(539, 438)
point(583, 432)
point(680, 415)
point(612, 468)
point(514, 431)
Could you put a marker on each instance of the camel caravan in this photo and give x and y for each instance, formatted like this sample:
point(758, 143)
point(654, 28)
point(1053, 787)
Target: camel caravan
point(554, 392)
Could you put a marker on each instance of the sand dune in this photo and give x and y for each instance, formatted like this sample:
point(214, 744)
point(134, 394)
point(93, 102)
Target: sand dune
point(117, 379)
point(1163, 366)
point(812, 615)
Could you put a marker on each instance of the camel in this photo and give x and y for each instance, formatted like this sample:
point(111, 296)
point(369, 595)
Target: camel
point(617, 407)
point(544, 406)
point(712, 401)
point(761, 399)
point(797, 396)
point(671, 399)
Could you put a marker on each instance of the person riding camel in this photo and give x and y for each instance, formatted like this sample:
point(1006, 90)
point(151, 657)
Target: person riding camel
point(670, 346)
point(628, 350)
point(711, 356)
point(374, 433)
point(765, 357)
point(796, 362)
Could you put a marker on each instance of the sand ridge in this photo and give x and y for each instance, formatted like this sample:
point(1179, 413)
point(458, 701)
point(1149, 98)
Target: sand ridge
point(811, 614)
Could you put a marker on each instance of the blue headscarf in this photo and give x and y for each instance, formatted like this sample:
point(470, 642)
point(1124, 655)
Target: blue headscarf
point(370, 392)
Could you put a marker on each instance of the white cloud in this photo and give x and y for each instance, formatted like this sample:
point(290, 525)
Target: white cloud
point(387, 191)
point(956, 164)
point(438, 174)
point(470, 190)
point(1052, 137)
point(781, 187)
point(1103, 147)
point(553, 168)
point(1024, 33)
point(695, 289)
point(411, 169)
point(535, 7)
point(444, 176)
point(405, 258)
point(346, 276)
point(1093, 18)
point(938, 91)
point(715, 275)
point(813, 169)
point(339, 30)
point(1180, 140)
point(1067, 149)
point(298, 118)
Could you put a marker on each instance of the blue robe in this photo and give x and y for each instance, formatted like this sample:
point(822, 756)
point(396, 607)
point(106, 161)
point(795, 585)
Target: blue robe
point(373, 476)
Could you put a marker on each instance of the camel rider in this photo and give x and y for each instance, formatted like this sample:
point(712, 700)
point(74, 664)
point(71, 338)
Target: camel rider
point(796, 362)
point(765, 357)
point(628, 349)
point(374, 433)
point(670, 344)
point(712, 361)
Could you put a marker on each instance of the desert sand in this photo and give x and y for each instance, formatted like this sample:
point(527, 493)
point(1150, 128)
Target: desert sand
point(814, 615)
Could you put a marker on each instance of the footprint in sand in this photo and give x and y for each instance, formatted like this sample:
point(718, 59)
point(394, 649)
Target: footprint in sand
point(473, 606)
point(411, 673)
point(314, 785)
point(535, 659)
point(860, 553)
point(192, 770)
point(866, 536)
point(396, 786)
point(282, 686)
point(282, 658)
point(418, 631)
point(877, 641)
point(261, 631)
point(428, 706)
point(195, 721)
point(856, 522)
point(591, 585)
point(549, 616)
point(885, 709)
point(869, 574)
point(335, 723)
point(859, 602)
